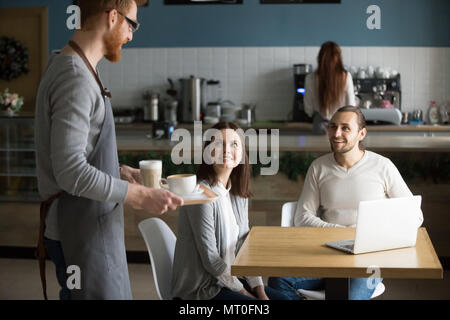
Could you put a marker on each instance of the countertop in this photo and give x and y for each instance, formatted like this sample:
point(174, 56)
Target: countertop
point(300, 126)
point(132, 141)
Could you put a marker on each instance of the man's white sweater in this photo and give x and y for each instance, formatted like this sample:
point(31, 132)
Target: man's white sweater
point(331, 193)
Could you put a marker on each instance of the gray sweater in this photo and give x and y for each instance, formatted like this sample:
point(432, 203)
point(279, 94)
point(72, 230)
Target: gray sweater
point(201, 245)
point(70, 111)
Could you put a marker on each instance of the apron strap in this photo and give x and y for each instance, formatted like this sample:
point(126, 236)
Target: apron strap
point(40, 252)
point(80, 52)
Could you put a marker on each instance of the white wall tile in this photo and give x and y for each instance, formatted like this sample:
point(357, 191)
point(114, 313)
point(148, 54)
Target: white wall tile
point(263, 75)
point(204, 63)
point(346, 56)
point(311, 55)
point(375, 56)
point(174, 63)
point(391, 57)
point(359, 57)
point(189, 59)
point(296, 55)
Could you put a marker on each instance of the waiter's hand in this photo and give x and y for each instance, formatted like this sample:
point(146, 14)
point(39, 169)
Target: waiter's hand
point(156, 201)
point(130, 174)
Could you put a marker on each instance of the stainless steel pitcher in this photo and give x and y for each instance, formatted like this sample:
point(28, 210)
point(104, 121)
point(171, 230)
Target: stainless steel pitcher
point(192, 90)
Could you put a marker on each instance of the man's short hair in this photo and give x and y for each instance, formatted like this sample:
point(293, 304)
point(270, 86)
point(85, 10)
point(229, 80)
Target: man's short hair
point(92, 8)
point(359, 118)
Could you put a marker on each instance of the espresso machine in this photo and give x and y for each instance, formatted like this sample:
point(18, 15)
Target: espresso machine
point(298, 111)
point(379, 99)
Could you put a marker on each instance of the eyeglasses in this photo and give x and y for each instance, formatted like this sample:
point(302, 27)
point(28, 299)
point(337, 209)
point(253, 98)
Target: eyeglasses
point(134, 26)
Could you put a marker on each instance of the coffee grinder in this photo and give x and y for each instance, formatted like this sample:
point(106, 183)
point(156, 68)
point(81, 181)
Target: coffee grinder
point(298, 111)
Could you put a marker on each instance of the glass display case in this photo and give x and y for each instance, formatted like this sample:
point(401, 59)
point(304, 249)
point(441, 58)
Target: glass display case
point(18, 181)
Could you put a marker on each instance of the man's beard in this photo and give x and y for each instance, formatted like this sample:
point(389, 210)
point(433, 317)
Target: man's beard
point(348, 146)
point(113, 45)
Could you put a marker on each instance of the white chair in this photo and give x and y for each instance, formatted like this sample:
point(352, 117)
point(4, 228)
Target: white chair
point(287, 220)
point(160, 241)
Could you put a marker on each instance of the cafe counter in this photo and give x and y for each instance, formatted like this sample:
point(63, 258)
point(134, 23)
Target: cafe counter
point(141, 141)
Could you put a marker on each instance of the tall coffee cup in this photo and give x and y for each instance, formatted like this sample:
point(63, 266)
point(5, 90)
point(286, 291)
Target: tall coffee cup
point(151, 171)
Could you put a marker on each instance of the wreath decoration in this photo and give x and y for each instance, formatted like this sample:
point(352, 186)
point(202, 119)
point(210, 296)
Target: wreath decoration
point(13, 59)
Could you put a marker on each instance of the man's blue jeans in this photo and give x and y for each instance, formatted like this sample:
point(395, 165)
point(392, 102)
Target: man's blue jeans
point(359, 288)
point(54, 251)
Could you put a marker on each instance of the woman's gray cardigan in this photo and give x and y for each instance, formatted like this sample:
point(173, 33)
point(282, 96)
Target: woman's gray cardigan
point(201, 244)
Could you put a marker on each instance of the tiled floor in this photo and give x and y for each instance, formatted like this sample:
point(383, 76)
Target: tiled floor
point(19, 279)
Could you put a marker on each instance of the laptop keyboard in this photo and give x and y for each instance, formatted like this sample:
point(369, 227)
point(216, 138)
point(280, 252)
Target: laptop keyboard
point(348, 246)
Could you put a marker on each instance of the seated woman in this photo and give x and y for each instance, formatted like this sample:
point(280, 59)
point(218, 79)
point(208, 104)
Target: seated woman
point(210, 235)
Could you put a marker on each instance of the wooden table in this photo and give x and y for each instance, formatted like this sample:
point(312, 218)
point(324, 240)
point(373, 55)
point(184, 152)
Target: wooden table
point(301, 251)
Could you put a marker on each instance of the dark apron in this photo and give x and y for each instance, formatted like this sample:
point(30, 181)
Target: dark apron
point(92, 232)
point(320, 125)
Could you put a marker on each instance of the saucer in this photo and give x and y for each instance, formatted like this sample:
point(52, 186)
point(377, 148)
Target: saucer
point(201, 196)
point(192, 194)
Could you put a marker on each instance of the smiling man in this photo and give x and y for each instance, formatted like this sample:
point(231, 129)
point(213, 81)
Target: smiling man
point(79, 179)
point(335, 184)
point(338, 181)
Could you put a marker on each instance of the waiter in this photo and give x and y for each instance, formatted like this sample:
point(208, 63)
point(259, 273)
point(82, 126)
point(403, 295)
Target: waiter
point(82, 222)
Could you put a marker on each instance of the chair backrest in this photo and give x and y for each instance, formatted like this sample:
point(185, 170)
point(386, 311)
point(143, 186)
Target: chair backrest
point(287, 214)
point(160, 241)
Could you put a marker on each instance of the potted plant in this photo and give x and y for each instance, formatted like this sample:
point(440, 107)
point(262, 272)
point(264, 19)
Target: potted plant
point(10, 103)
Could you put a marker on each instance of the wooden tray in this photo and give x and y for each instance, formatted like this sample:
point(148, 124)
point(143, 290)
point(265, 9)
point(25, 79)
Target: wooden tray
point(205, 197)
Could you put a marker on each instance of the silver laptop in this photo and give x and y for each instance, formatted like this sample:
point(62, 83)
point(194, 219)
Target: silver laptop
point(383, 225)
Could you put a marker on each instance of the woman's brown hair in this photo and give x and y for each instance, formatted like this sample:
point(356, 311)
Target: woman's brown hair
point(331, 76)
point(240, 176)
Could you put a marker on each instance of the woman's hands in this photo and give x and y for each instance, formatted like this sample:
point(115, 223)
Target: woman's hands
point(258, 293)
point(246, 293)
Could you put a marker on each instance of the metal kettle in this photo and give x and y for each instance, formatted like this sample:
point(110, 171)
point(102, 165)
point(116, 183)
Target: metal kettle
point(151, 108)
point(192, 91)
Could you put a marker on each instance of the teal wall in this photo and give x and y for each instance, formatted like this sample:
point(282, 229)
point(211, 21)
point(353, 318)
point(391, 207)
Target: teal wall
point(403, 22)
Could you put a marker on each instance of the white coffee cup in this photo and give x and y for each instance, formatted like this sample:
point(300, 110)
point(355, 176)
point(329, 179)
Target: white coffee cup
point(181, 184)
point(151, 171)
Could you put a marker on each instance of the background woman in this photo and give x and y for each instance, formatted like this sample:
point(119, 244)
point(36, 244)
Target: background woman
point(210, 235)
point(328, 88)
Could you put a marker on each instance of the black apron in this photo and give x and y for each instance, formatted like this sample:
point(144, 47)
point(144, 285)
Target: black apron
point(320, 124)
